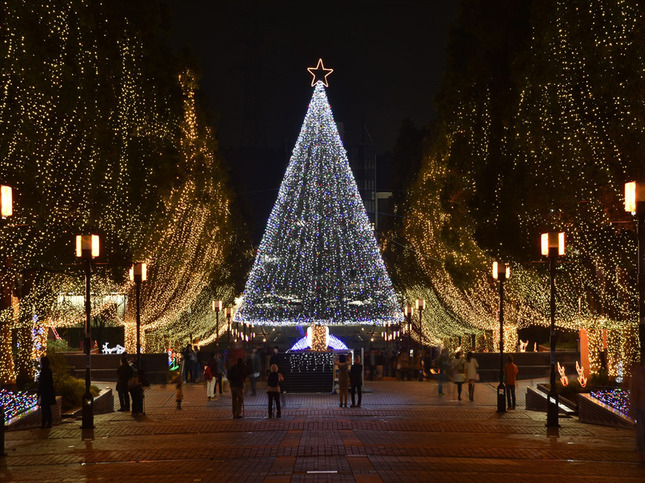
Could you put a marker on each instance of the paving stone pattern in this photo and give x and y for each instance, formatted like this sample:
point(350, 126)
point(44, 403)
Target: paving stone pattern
point(403, 432)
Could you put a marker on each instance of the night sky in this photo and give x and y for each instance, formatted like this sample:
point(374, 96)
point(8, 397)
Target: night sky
point(387, 58)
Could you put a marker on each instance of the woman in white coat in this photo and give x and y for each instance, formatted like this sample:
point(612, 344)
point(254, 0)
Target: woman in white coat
point(471, 374)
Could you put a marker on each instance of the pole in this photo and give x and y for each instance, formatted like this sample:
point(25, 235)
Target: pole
point(217, 331)
point(88, 399)
point(420, 331)
point(552, 406)
point(501, 388)
point(409, 330)
point(640, 229)
point(137, 281)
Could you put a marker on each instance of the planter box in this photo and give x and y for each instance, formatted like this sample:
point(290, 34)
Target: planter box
point(103, 404)
point(33, 418)
point(592, 411)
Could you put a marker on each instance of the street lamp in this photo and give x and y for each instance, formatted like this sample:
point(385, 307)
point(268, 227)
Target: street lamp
point(552, 247)
point(138, 275)
point(217, 306)
point(6, 201)
point(635, 203)
point(421, 304)
point(501, 272)
point(87, 248)
point(408, 310)
point(229, 314)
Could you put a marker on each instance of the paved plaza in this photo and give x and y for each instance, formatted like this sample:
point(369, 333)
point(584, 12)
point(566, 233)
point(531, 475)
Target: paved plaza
point(403, 432)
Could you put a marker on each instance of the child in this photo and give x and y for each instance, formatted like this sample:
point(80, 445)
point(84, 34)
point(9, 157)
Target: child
point(179, 394)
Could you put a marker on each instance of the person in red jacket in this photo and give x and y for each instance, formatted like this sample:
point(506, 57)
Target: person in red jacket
point(511, 371)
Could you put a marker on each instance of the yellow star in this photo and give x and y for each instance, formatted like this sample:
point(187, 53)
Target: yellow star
point(319, 73)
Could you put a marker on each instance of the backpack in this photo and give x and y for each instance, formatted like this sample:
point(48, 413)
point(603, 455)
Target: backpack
point(273, 380)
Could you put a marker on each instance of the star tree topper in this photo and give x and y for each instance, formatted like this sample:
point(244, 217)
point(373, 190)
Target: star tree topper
point(319, 73)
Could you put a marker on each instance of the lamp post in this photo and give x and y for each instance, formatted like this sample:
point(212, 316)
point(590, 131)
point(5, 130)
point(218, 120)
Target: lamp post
point(552, 247)
point(229, 313)
point(421, 304)
point(501, 272)
point(6, 201)
point(138, 275)
point(217, 306)
point(408, 310)
point(87, 248)
point(635, 203)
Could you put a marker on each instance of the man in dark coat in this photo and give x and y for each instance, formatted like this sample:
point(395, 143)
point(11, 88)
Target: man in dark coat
point(124, 373)
point(46, 393)
point(236, 377)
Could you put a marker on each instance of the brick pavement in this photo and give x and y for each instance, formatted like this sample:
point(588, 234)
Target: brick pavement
point(403, 432)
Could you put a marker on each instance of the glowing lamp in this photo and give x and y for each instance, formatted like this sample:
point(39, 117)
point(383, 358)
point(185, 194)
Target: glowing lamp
point(138, 272)
point(421, 304)
point(230, 311)
point(87, 246)
point(6, 201)
point(501, 271)
point(634, 196)
point(408, 310)
point(552, 244)
point(217, 305)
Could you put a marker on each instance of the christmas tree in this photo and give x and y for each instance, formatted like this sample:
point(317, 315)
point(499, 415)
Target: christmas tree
point(319, 262)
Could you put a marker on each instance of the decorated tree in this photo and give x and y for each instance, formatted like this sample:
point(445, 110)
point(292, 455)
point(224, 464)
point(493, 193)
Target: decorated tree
point(318, 262)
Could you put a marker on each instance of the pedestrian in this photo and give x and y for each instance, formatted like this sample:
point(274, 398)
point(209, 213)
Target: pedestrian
point(236, 377)
point(380, 365)
point(188, 357)
point(273, 389)
point(197, 364)
point(510, 375)
point(403, 365)
point(274, 357)
point(442, 365)
point(343, 379)
point(458, 373)
point(255, 367)
point(471, 374)
point(415, 367)
point(123, 374)
point(356, 380)
point(179, 393)
point(136, 386)
point(46, 394)
point(220, 372)
point(210, 375)
point(637, 407)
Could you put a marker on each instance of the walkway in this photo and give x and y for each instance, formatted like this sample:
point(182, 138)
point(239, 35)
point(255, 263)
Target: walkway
point(404, 432)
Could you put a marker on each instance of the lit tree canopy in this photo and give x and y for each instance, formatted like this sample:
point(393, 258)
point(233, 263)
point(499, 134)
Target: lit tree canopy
point(318, 262)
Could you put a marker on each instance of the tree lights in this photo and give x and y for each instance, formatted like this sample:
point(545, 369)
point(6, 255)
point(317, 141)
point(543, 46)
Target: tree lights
point(318, 262)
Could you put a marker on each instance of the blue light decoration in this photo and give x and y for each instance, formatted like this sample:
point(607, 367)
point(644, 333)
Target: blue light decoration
point(617, 399)
point(334, 343)
point(319, 262)
point(16, 403)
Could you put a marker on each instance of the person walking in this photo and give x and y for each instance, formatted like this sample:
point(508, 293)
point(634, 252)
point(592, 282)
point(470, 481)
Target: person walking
point(236, 376)
point(210, 374)
point(188, 357)
point(273, 389)
point(442, 365)
point(510, 375)
point(46, 393)
point(471, 374)
point(255, 366)
point(380, 365)
point(220, 372)
point(458, 373)
point(356, 381)
point(123, 374)
point(343, 379)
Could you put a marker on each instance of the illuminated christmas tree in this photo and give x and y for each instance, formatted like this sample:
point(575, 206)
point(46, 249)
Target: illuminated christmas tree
point(319, 262)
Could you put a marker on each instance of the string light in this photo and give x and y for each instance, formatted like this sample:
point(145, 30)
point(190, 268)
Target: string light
point(318, 262)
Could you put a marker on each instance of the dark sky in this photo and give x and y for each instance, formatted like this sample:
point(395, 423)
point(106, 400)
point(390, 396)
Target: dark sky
point(387, 59)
